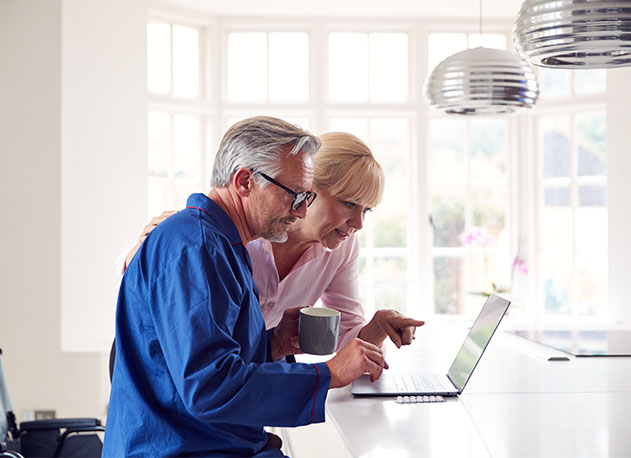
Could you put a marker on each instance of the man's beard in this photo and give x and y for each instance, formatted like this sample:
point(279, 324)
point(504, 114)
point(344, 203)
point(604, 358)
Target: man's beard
point(276, 231)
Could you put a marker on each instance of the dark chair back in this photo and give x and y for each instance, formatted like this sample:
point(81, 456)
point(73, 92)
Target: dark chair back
point(112, 359)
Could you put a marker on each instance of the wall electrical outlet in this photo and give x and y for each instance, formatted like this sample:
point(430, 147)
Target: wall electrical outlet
point(45, 414)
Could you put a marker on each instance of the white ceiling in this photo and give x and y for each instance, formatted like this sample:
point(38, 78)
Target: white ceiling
point(353, 8)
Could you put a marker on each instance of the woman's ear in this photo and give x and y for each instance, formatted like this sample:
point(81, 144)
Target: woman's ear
point(242, 181)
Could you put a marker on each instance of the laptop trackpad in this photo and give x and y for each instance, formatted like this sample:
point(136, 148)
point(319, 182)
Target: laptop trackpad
point(363, 386)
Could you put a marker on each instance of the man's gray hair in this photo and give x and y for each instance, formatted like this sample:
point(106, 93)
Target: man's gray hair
point(257, 143)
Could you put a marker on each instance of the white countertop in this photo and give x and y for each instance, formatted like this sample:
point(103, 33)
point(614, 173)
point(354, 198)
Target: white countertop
point(515, 405)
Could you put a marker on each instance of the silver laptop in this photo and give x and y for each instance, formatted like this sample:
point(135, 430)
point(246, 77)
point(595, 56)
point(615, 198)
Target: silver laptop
point(452, 383)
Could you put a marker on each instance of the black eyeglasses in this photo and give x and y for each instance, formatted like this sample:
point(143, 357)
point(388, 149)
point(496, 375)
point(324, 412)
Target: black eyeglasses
point(299, 197)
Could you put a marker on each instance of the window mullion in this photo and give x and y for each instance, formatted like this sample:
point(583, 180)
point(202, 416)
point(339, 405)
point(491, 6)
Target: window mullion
point(574, 206)
point(267, 70)
point(172, 73)
point(468, 210)
point(172, 171)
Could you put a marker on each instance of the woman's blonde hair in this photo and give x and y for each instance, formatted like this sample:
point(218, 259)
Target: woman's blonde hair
point(346, 168)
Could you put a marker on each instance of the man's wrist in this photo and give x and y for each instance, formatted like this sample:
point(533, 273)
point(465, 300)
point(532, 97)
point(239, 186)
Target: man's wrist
point(335, 382)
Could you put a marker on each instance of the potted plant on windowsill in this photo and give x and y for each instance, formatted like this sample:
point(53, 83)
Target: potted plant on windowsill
point(479, 237)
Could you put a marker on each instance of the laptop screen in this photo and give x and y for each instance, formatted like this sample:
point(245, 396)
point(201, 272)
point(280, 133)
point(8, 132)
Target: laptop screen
point(479, 336)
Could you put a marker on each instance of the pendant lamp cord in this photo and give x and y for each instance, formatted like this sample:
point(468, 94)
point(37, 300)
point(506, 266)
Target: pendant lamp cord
point(480, 21)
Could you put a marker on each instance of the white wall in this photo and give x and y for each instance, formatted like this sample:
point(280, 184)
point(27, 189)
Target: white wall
point(72, 133)
point(104, 162)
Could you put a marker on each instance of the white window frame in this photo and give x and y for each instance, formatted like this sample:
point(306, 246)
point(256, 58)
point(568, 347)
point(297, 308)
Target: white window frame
point(202, 106)
point(216, 110)
point(515, 150)
point(510, 184)
point(570, 105)
point(319, 109)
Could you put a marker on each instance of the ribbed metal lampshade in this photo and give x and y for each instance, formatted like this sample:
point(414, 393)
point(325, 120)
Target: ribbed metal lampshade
point(574, 33)
point(482, 81)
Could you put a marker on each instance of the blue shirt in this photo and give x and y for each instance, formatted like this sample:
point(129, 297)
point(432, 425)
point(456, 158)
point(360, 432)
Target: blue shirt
point(192, 374)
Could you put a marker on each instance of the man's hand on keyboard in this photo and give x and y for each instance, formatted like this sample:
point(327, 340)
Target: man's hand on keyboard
point(354, 360)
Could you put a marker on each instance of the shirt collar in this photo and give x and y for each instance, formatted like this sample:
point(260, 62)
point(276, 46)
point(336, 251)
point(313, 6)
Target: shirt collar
point(217, 214)
point(315, 250)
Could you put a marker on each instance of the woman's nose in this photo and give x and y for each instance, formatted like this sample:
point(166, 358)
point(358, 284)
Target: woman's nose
point(357, 220)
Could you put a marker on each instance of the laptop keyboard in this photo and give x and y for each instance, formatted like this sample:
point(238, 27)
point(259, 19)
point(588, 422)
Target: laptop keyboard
point(413, 382)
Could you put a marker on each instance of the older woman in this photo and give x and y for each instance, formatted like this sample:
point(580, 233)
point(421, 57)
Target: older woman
point(320, 259)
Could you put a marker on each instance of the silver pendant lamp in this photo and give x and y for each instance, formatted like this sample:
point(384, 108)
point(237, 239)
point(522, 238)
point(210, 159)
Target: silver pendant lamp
point(574, 34)
point(482, 81)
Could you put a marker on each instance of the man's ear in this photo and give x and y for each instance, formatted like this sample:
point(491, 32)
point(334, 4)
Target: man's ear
point(242, 181)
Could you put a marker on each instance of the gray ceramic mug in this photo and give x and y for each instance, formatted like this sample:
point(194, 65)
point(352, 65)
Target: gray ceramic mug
point(318, 329)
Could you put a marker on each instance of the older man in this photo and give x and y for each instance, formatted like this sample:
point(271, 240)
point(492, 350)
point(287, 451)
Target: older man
point(195, 371)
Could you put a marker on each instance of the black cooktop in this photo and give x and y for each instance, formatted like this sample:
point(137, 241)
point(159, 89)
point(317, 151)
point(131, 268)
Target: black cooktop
point(592, 342)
